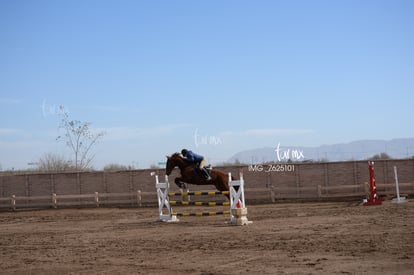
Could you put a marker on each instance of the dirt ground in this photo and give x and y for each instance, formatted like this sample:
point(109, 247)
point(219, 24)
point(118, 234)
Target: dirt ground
point(295, 238)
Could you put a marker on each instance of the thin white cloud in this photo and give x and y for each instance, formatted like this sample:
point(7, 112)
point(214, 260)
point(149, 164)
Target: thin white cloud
point(8, 131)
point(101, 108)
point(108, 109)
point(268, 132)
point(124, 133)
point(5, 100)
point(22, 144)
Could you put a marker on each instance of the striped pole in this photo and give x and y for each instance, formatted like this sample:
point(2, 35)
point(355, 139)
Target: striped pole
point(199, 193)
point(201, 203)
point(200, 214)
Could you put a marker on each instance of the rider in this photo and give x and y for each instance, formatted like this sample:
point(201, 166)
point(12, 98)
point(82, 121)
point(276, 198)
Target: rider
point(199, 160)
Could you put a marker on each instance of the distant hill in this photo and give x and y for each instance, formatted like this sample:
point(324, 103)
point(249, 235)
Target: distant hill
point(356, 150)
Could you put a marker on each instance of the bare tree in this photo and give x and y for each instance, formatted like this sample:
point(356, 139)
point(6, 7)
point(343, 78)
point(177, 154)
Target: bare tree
point(382, 155)
point(54, 163)
point(79, 138)
point(116, 167)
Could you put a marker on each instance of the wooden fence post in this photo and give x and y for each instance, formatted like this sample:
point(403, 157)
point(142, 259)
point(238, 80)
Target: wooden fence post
point(139, 198)
point(54, 200)
point(269, 185)
point(97, 199)
point(13, 202)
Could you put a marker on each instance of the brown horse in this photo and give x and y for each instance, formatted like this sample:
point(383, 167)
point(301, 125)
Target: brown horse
point(191, 176)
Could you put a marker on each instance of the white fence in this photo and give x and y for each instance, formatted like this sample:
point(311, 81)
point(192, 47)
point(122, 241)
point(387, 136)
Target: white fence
point(59, 201)
point(138, 198)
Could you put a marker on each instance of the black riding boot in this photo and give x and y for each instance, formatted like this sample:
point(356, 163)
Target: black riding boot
point(205, 174)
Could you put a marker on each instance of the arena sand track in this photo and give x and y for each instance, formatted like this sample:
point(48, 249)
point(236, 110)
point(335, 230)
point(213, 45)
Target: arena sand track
point(308, 238)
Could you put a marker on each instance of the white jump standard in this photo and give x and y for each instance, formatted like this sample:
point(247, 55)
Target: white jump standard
point(398, 199)
point(237, 211)
point(164, 201)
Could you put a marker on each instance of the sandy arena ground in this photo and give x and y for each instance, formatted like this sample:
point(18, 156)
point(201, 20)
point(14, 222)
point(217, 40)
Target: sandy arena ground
point(307, 238)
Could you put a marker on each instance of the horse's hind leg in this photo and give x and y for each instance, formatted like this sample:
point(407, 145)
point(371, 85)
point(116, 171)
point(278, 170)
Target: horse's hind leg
point(222, 185)
point(180, 183)
point(184, 187)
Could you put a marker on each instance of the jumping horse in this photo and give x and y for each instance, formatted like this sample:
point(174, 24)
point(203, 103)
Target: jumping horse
point(189, 174)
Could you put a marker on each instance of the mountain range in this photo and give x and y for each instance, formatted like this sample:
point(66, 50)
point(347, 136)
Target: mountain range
point(355, 150)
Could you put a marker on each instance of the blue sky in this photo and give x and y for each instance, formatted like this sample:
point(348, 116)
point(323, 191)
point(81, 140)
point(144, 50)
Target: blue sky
point(217, 77)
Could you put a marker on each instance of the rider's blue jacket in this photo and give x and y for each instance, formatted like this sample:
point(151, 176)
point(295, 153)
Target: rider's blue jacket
point(194, 157)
